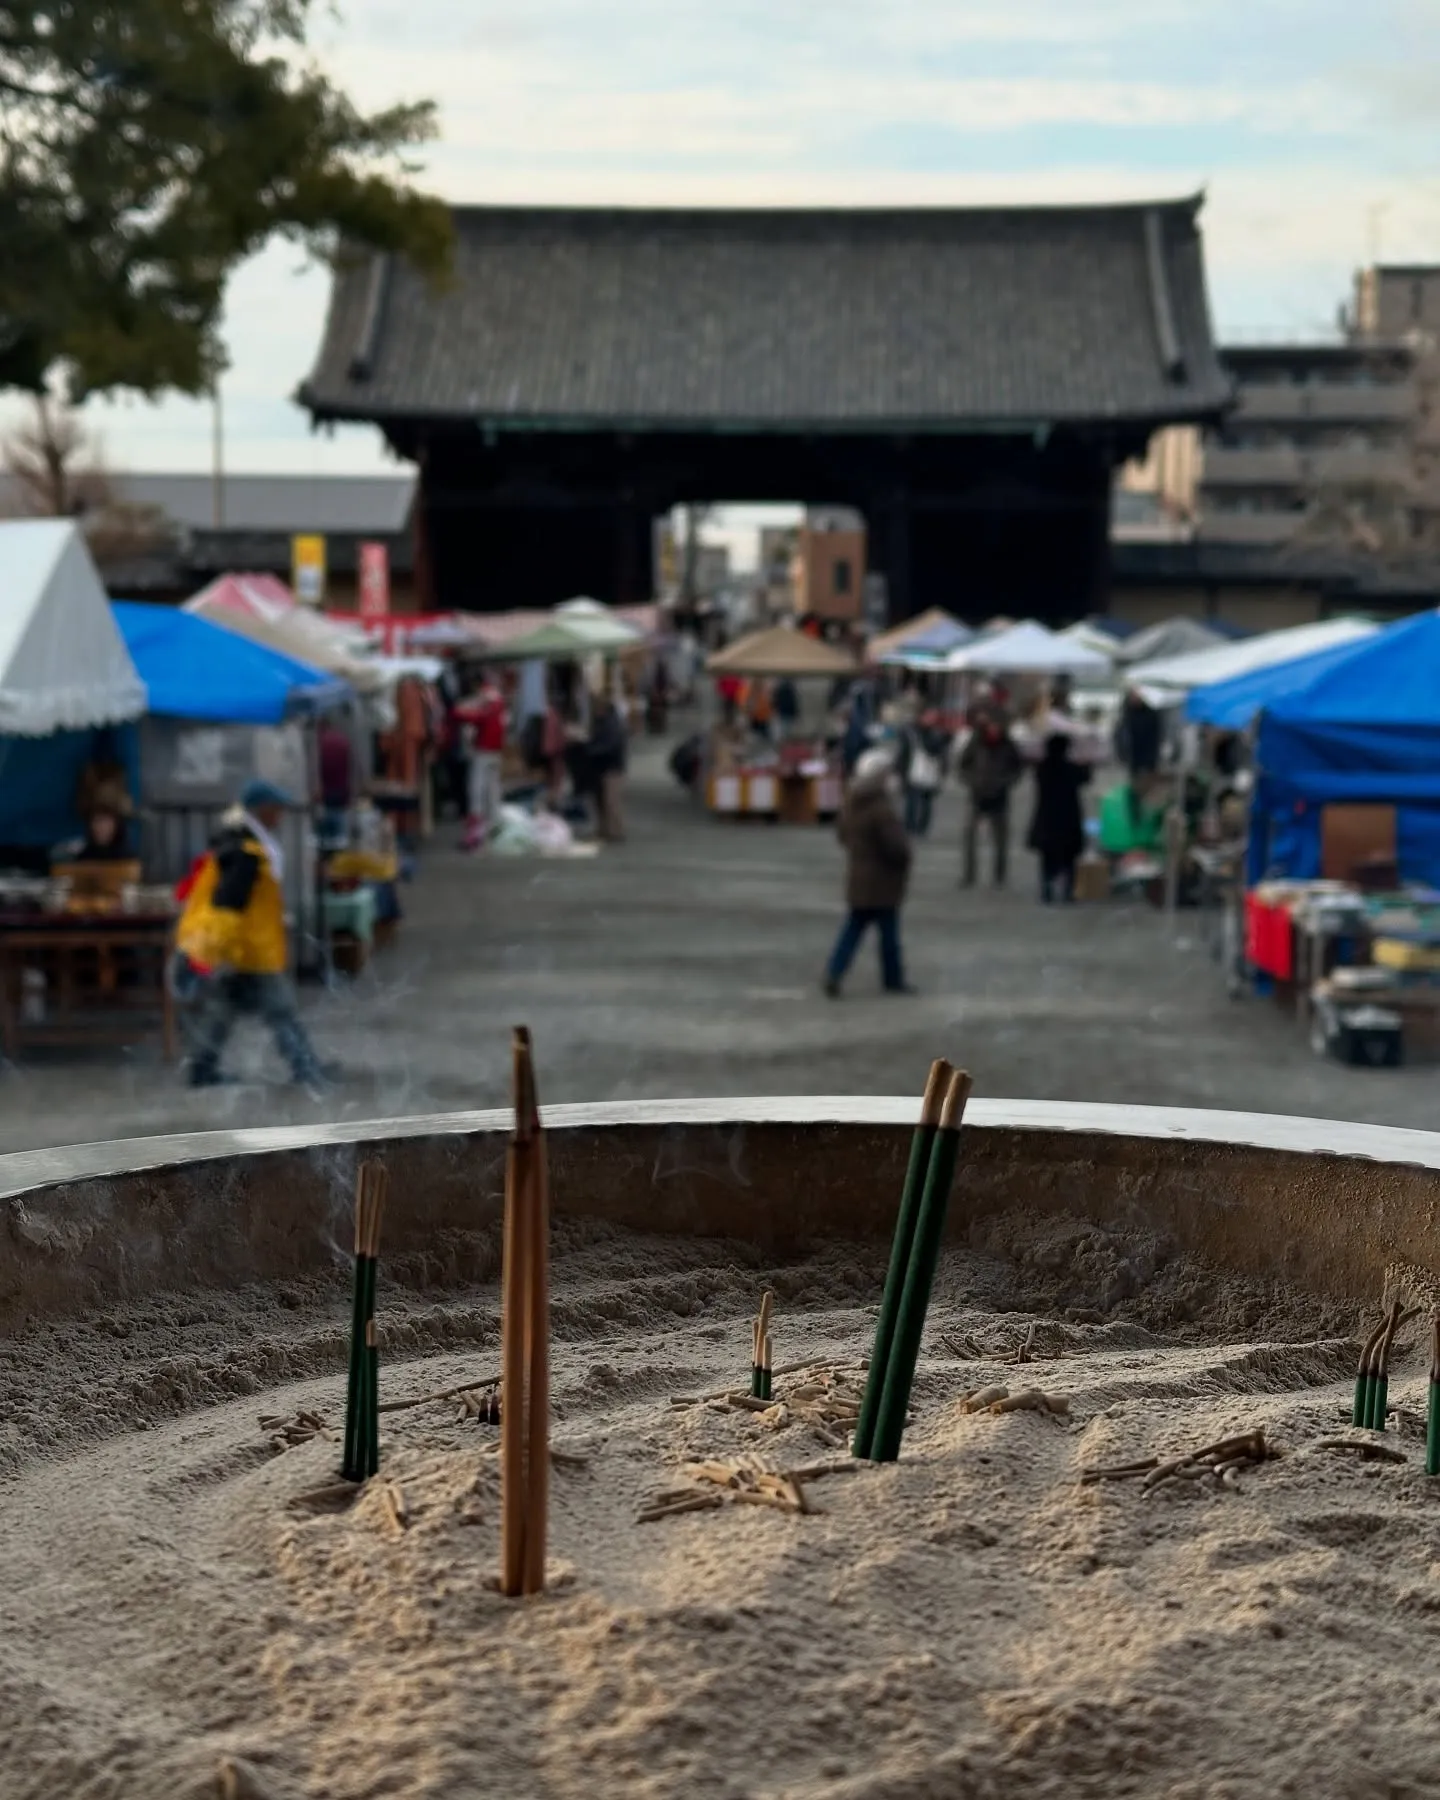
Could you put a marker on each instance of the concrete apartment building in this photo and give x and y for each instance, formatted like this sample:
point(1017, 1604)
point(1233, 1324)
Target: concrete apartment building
point(1318, 492)
point(1317, 449)
point(1400, 302)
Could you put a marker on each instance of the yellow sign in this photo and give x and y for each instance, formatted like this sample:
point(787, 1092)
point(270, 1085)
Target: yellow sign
point(307, 569)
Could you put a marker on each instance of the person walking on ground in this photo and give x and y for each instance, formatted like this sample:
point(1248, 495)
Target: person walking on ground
point(857, 726)
point(877, 871)
point(1057, 830)
point(989, 767)
point(607, 765)
point(923, 748)
point(231, 936)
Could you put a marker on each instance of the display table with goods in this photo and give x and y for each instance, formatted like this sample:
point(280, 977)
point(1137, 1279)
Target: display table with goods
point(78, 968)
point(1362, 970)
point(797, 782)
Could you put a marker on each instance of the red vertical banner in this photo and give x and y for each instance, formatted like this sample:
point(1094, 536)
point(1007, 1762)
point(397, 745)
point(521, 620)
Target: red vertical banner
point(374, 584)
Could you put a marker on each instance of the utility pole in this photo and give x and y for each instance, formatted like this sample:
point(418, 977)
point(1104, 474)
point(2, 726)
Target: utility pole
point(217, 455)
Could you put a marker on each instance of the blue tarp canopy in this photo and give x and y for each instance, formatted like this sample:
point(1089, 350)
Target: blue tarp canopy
point(1363, 726)
point(926, 648)
point(196, 670)
point(947, 635)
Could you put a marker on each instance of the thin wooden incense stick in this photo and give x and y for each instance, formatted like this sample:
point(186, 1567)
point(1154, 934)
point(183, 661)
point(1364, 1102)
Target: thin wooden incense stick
point(352, 1462)
point(1432, 1417)
point(361, 1456)
point(514, 1309)
point(1360, 1412)
point(1381, 1402)
point(921, 1146)
point(379, 1186)
point(767, 1365)
point(537, 1324)
point(920, 1275)
point(1380, 1385)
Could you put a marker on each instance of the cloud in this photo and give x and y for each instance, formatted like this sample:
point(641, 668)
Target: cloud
point(1302, 117)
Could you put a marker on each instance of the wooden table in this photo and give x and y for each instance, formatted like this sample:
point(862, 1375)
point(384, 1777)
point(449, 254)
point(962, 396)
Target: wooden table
point(99, 973)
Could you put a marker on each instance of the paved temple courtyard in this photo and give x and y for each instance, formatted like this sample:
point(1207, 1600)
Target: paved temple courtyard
point(687, 962)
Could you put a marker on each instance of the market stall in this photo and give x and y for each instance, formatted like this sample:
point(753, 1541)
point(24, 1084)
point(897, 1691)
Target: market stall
point(1343, 863)
point(797, 778)
point(224, 710)
point(81, 951)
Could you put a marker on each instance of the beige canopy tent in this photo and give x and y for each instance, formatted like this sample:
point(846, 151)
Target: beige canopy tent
point(781, 650)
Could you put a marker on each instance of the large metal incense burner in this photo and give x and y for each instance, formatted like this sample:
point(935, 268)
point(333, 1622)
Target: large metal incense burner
point(1327, 1206)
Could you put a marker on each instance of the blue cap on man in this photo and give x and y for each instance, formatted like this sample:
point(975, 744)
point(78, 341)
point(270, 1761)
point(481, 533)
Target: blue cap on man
point(256, 794)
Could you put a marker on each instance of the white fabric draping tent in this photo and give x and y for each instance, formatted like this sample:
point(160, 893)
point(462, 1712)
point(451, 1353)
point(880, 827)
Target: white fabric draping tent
point(63, 662)
point(1027, 649)
point(1170, 678)
point(262, 607)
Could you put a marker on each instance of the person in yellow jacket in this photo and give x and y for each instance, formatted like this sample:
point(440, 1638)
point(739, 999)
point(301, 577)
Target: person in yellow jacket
point(232, 935)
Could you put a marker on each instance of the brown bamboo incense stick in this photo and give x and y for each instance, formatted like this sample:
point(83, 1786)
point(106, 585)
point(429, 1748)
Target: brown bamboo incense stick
point(759, 1329)
point(537, 1323)
point(513, 1309)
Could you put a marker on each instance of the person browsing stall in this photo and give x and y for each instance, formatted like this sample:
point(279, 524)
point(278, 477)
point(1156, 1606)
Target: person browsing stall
point(232, 933)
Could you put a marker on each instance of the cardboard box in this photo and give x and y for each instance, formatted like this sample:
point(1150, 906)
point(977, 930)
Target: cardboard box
point(1092, 878)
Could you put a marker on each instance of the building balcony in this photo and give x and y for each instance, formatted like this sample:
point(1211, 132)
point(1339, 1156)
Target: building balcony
point(1326, 403)
point(1283, 466)
point(1277, 466)
point(1271, 526)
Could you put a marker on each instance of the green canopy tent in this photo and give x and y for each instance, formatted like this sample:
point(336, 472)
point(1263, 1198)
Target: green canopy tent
point(569, 639)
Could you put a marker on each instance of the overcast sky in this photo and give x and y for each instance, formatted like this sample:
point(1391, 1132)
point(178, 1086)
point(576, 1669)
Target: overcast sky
point(1313, 126)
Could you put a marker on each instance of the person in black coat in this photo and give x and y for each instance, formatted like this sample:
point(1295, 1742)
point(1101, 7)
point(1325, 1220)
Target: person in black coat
point(1138, 735)
point(1057, 831)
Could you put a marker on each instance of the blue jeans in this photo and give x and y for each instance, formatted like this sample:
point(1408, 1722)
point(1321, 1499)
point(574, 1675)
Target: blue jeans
point(919, 803)
point(886, 920)
point(272, 999)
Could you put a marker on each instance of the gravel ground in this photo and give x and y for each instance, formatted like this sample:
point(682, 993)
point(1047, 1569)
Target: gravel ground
point(686, 962)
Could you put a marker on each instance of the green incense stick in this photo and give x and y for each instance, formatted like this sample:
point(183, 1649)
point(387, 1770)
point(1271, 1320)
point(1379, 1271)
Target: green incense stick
point(921, 1148)
point(920, 1276)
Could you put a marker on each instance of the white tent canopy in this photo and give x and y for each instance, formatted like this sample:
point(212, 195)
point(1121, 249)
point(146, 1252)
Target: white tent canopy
point(1180, 636)
point(1028, 649)
point(63, 662)
point(1173, 676)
